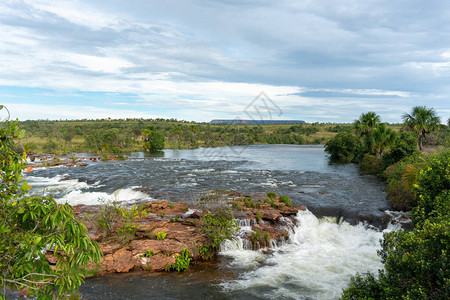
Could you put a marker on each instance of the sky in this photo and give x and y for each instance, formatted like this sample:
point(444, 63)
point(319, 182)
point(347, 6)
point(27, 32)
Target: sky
point(318, 61)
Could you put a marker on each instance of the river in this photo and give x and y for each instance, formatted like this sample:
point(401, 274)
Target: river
point(316, 263)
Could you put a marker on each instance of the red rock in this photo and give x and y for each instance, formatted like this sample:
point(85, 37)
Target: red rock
point(159, 262)
point(140, 247)
point(270, 215)
point(123, 261)
point(109, 248)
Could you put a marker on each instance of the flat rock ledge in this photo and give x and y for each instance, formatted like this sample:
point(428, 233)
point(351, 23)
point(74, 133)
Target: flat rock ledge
point(183, 228)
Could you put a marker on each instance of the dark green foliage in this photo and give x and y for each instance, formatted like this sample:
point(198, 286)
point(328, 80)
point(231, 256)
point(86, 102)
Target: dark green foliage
point(405, 145)
point(416, 262)
point(422, 121)
point(343, 147)
point(400, 178)
point(371, 164)
point(380, 138)
point(30, 225)
point(363, 287)
point(339, 128)
point(433, 189)
point(154, 141)
point(416, 266)
point(286, 200)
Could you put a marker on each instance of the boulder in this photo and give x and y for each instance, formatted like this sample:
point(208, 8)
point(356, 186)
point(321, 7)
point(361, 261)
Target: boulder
point(270, 215)
point(159, 262)
point(123, 261)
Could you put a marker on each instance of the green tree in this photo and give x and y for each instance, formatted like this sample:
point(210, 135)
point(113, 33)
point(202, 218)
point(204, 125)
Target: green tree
point(433, 189)
point(416, 262)
point(366, 123)
point(154, 140)
point(32, 226)
point(343, 147)
point(381, 138)
point(405, 145)
point(421, 120)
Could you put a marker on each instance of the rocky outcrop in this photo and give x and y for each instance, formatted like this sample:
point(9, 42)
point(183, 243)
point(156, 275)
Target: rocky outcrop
point(269, 222)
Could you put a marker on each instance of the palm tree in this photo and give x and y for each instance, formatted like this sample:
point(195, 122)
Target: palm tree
point(366, 123)
point(421, 120)
point(381, 138)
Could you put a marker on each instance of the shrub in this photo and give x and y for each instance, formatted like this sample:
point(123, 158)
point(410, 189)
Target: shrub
point(371, 164)
point(271, 195)
point(405, 145)
point(258, 217)
point(219, 227)
point(161, 235)
point(248, 201)
point(182, 261)
point(433, 189)
point(343, 147)
point(107, 218)
point(416, 266)
point(286, 200)
point(149, 253)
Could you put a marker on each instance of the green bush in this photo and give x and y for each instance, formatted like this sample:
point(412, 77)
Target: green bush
point(416, 262)
point(343, 147)
point(371, 164)
point(271, 195)
point(155, 141)
point(405, 145)
point(433, 189)
point(286, 200)
point(182, 261)
point(161, 235)
point(219, 226)
point(107, 218)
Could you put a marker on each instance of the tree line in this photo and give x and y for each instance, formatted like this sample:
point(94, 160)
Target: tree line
point(416, 261)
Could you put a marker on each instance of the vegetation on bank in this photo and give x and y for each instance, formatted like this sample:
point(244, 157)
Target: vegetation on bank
point(416, 262)
point(121, 136)
point(32, 226)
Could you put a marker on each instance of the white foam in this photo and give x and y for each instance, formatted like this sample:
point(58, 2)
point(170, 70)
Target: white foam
point(45, 185)
point(316, 264)
point(92, 198)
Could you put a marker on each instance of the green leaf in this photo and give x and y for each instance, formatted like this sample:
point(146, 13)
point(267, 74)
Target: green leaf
point(21, 134)
point(25, 187)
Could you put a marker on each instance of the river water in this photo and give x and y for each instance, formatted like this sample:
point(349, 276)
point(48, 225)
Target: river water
point(318, 259)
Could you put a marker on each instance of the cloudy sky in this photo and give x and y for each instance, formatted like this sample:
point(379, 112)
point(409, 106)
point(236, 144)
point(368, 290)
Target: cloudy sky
point(321, 60)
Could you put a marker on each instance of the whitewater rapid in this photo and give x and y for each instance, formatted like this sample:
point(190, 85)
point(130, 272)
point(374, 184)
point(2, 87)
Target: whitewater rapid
point(316, 263)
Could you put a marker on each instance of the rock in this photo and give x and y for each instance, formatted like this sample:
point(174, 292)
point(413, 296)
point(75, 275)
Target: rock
point(288, 211)
point(107, 263)
point(123, 261)
point(270, 215)
point(140, 247)
point(159, 262)
point(301, 207)
point(109, 248)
